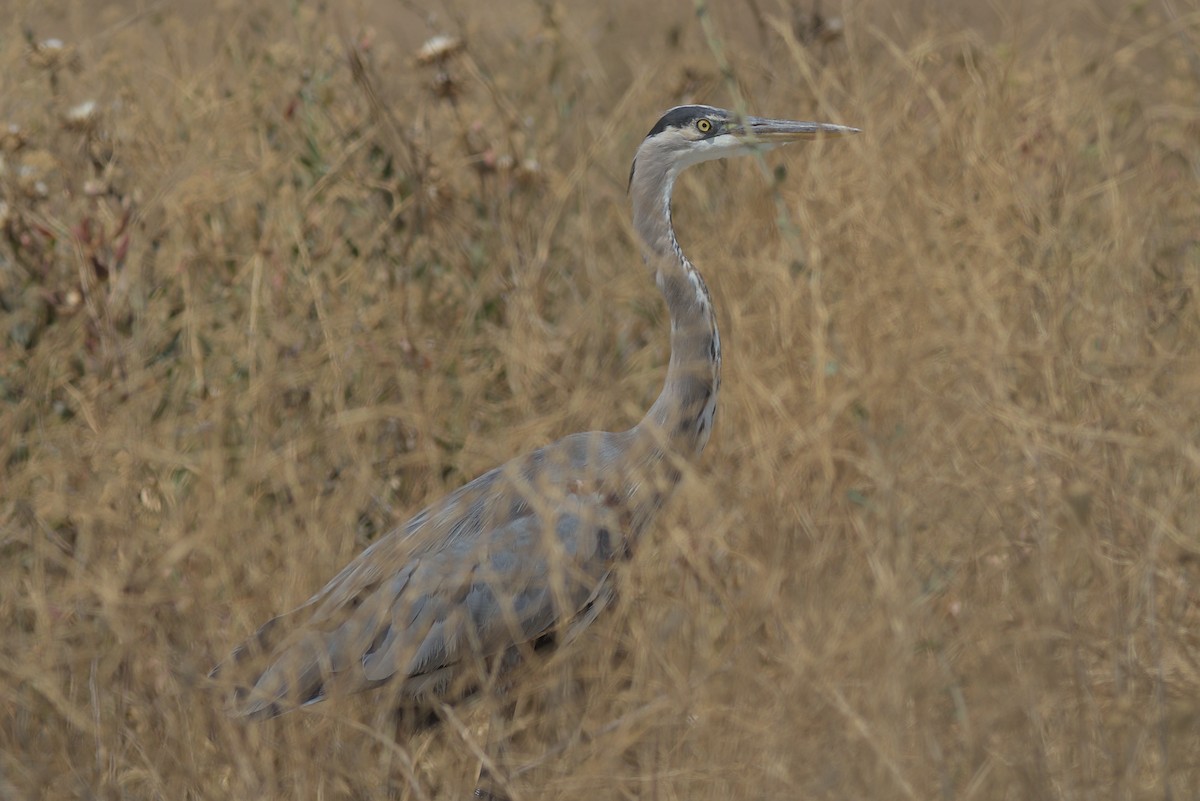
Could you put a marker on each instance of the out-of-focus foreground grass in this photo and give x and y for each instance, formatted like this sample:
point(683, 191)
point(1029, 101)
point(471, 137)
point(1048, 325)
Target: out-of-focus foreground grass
point(268, 284)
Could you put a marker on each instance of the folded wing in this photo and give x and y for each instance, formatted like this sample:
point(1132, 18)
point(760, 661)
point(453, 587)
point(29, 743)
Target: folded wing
point(498, 575)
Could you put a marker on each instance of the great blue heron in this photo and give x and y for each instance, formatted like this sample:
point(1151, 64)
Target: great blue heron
point(523, 553)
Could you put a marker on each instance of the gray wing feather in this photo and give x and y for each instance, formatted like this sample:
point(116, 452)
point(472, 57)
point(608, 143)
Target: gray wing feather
point(511, 599)
point(479, 571)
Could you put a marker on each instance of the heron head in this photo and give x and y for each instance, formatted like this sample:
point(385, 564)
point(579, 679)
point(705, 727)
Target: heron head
point(688, 135)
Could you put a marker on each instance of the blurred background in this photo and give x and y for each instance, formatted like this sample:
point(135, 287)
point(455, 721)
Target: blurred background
point(273, 276)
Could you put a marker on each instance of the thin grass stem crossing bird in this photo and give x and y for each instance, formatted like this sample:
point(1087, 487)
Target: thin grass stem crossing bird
point(525, 553)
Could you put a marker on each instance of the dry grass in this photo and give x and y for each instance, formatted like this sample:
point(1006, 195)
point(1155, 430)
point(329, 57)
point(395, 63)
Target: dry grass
point(257, 307)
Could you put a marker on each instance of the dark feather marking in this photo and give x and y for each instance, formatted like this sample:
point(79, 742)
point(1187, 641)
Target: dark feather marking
point(680, 116)
point(604, 543)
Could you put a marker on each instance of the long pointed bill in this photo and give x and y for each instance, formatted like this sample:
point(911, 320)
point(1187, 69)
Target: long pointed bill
point(756, 130)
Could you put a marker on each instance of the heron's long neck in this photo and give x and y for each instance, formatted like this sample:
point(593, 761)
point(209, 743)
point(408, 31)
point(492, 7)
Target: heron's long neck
point(682, 417)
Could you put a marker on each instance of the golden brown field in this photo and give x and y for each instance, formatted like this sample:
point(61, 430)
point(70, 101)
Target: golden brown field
point(281, 285)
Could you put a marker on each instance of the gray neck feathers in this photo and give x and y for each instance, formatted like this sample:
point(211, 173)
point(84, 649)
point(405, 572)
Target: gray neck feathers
point(681, 419)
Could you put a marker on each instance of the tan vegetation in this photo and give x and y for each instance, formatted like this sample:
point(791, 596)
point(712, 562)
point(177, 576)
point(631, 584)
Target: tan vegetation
point(282, 283)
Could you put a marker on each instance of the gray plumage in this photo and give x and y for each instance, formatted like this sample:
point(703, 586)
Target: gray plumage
point(526, 550)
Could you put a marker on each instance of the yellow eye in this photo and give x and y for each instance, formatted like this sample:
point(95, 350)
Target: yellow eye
point(703, 126)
